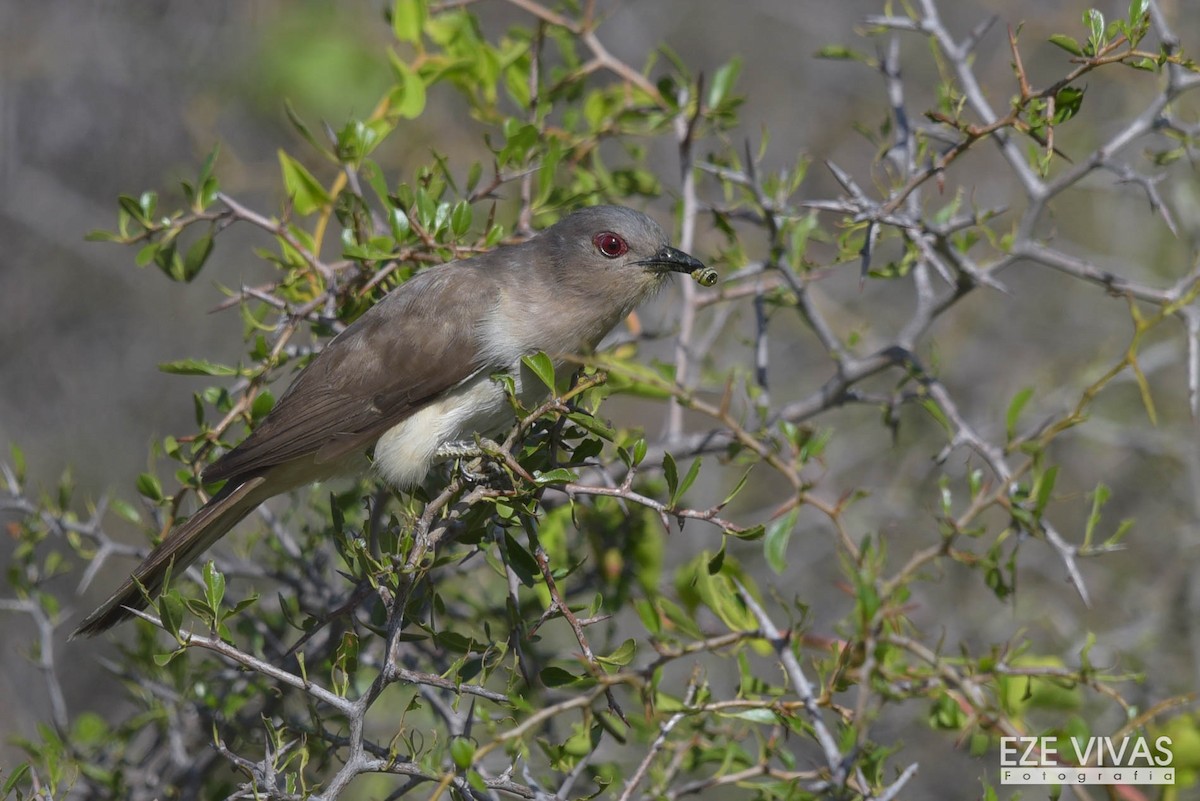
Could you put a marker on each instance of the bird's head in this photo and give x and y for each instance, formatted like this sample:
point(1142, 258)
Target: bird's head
point(619, 251)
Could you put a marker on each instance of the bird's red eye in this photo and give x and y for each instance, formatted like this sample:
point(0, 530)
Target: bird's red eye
point(610, 244)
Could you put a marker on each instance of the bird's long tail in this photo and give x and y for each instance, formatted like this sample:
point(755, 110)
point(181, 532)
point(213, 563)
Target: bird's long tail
point(178, 550)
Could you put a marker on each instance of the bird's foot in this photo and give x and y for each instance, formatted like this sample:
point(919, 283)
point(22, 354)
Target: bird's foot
point(471, 459)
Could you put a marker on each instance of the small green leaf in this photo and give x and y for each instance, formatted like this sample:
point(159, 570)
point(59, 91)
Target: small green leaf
point(1094, 20)
point(148, 486)
point(210, 162)
point(842, 53)
point(214, 586)
point(557, 677)
point(559, 475)
point(408, 98)
point(262, 405)
point(1014, 410)
point(1138, 10)
point(1099, 497)
point(737, 487)
point(1067, 43)
point(125, 510)
point(776, 542)
point(521, 561)
point(1045, 486)
point(688, 480)
point(408, 20)
point(462, 751)
point(717, 561)
point(18, 460)
point(196, 367)
point(620, 657)
point(14, 778)
point(301, 127)
point(1067, 103)
point(460, 218)
point(306, 192)
point(723, 81)
point(162, 660)
point(749, 534)
point(542, 367)
point(89, 728)
point(170, 612)
point(132, 207)
point(639, 451)
point(671, 474)
point(196, 255)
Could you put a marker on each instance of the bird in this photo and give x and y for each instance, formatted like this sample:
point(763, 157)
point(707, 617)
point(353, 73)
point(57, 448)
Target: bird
point(412, 376)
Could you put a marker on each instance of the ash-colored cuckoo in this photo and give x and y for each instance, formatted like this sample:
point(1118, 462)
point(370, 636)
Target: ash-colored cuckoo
point(413, 374)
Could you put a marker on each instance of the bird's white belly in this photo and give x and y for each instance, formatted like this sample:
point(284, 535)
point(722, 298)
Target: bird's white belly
point(405, 452)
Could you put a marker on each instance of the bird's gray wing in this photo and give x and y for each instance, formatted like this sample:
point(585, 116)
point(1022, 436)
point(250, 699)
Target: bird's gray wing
point(416, 343)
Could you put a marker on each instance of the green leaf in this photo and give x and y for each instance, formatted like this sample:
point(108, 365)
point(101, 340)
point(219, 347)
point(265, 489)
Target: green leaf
point(723, 81)
point(210, 162)
point(170, 612)
point(125, 510)
point(776, 542)
point(301, 127)
point(462, 751)
point(306, 192)
point(196, 367)
point(148, 486)
point(681, 619)
point(460, 218)
point(1138, 10)
point(89, 728)
point(620, 657)
point(648, 614)
point(688, 480)
point(196, 255)
point(1067, 103)
point(559, 475)
point(521, 561)
point(1094, 20)
point(737, 487)
point(205, 191)
point(132, 207)
point(1099, 497)
point(408, 20)
point(557, 677)
point(408, 98)
point(671, 474)
point(1014, 410)
point(542, 367)
point(842, 53)
point(214, 586)
point(1045, 486)
point(18, 461)
point(14, 778)
point(1067, 43)
point(99, 235)
point(714, 565)
point(263, 403)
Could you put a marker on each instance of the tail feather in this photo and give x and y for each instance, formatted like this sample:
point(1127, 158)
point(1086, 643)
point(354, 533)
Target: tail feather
point(179, 549)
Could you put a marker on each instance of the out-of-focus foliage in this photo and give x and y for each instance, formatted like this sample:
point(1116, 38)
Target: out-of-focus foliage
point(550, 622)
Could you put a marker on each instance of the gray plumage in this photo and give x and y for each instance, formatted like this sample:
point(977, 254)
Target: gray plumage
point(412, 374)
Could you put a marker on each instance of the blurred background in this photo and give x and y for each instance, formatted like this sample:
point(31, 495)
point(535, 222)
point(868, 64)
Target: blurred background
point(108, 97)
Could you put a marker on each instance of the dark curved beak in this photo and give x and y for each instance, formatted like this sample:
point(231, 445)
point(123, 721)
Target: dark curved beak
point(672, 260)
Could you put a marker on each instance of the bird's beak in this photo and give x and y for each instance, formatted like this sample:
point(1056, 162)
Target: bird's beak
point(671, 260)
